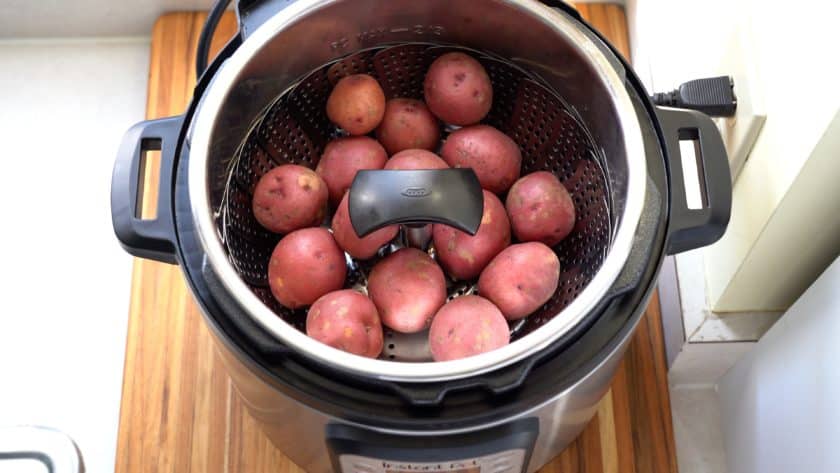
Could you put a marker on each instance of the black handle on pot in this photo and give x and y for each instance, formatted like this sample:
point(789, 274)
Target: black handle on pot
point(253, 13)
point(449, 196)
point(694, 228)
point(153, 238)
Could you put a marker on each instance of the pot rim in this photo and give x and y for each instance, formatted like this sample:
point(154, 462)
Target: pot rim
point(217, 260)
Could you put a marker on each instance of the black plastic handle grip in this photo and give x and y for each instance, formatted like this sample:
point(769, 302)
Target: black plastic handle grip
point(449, 196)
point(154, 238)
point(694, 228)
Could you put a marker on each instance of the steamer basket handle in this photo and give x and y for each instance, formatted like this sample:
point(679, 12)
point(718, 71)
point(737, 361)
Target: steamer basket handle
point(449, 196)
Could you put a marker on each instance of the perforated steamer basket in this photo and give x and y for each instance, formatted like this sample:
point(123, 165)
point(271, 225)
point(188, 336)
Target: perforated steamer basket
point(555, 94)
point(295, 129)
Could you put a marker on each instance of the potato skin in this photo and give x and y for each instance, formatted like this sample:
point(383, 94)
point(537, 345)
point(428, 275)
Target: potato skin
point(540, 209)
point(520, 279)
point(493, 156)
point(345, 235)
point(408, 287)
point(305, 265)
point(408, 124)
point(356, 104)
point(413, 159)
point(289, 197)
point(457, 89)
point(346, 320)
point(462, 255)
point(467, 326)
point(343, 157)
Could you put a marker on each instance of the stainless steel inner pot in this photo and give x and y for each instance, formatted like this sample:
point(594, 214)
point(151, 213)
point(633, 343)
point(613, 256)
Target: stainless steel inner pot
point(556, 94)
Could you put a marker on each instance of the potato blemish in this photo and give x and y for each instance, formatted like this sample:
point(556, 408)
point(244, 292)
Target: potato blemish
point(487, 217)
point(308, 181)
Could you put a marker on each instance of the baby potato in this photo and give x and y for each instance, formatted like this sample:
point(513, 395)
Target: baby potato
point(305, 265)
point(408, 287)
point(344, 157)
point(462, 255)
point(346, 320)
point(540, 209)
point(414, 159)
point(457, 89)
point(520, 279)
point(289, 197)
point(346, 237)
point(493, 156)
point(467, 326)
point(356, 104)
point(408, 124)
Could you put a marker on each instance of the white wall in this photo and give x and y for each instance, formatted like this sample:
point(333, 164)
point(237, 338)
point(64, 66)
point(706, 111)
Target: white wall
point(787, 52)
point(64, 280)
point(88, 18)
point(779, 403)
point(761, 260)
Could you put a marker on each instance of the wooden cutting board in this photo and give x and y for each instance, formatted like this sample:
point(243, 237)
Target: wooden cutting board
point(179, 411)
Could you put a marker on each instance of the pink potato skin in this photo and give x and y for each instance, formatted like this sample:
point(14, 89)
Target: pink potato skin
point(346, 237)
point(343, 157)
point(520, 279)
point(356, 104)
point(408, 124)
point(467, 326)
point(493, 156)
point(346, 320)
point(540, 209)
point(289, 197)
point(457, 89)
point(462, 255)
point(408, 287)
point(305, 265)
point(414, 159)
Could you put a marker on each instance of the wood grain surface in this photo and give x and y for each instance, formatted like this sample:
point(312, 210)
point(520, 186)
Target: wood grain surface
point(179, 412)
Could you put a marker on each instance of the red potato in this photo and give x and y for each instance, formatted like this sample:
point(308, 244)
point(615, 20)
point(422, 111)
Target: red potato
point(346, 237)
point(467, 326)
point(346, 320)
point(520, 279)
point(408, 287)
point(493, 156)
point(289, 197)
point(305, 265)
point(413, 159)
point(408, 124)
point(457, 89)
point(356, 104)
point(462, 255)
point(540, 209)
point(343, 157)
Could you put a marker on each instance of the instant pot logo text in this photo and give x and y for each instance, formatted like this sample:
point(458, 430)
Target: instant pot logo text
point(463, 466)
point(376, 34)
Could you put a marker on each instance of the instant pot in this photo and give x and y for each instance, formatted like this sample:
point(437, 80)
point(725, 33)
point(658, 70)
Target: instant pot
point(574, 107)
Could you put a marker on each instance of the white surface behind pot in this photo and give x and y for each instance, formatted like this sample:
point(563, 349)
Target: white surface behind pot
point(779, 402)
point(64, 280)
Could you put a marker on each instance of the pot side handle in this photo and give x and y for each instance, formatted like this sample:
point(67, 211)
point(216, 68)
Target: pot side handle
point(145, 238)
point(691, 228)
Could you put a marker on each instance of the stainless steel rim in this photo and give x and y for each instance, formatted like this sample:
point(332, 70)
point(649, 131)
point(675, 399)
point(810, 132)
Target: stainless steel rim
point(217, 259)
